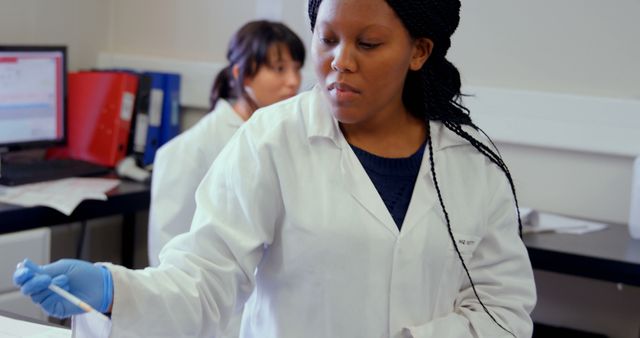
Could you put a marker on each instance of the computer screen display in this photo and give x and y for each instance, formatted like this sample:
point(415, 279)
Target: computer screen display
point(32, 96)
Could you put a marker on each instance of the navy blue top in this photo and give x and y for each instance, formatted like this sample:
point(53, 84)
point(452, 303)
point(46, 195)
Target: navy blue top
point(394, 179)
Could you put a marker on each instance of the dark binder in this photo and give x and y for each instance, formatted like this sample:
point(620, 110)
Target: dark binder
point(156, 100)
point(140, 120)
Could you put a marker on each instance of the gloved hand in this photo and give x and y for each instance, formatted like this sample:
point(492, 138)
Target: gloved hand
point(91, 283)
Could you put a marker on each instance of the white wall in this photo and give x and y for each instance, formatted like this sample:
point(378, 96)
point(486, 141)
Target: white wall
point(82, 25)
point(573, 46)
point(571, 183)
point(195, 30)
point(585, 47)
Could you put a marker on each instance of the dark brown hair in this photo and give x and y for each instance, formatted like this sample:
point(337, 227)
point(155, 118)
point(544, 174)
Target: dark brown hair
point(249, 50)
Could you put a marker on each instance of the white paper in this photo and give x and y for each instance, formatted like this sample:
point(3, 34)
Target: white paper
point(63, 195)
point(534, 221)
point(155, 107)
point(90, 324)
point(10, 327)
point(529, 216)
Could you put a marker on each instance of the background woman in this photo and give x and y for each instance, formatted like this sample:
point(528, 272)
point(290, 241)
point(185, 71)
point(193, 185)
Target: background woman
point(265, 59)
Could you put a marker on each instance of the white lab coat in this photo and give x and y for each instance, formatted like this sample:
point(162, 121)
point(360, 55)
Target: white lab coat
point(289, 197)
point(178, 168)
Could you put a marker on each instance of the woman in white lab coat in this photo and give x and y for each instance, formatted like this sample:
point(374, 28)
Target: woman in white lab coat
point(370, 207)
point(265, 59)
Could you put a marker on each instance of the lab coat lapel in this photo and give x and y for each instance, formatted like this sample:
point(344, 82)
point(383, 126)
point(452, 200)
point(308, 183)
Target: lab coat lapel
point(356, 180)
point(423, 198)
point(359, 184)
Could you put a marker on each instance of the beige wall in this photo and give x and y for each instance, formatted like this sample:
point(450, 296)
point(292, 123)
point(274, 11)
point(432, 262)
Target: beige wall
point(584, 47)
point(193, 29)
point(186, 29)
point(82, 25)
point(573, 46)
point(573, 183)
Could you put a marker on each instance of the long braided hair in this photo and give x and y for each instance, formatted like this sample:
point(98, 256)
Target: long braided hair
point(433, 92)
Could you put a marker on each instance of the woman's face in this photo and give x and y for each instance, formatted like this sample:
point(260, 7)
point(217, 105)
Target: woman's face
point(276, 80)
point(362, 53)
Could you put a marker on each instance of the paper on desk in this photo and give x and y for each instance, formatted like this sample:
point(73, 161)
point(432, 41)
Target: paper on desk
point(529, 216)
point(534, 221)
point(10, 327)
point(63, 195)
point(91, 324)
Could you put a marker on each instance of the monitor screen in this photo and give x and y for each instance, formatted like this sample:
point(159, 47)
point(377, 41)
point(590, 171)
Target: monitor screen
point(32, 96)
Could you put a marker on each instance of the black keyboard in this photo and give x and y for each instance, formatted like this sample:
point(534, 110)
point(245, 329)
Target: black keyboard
point(23, 172)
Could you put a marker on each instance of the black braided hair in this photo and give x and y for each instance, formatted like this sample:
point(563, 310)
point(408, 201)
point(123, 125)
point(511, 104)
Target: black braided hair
point(433, 92)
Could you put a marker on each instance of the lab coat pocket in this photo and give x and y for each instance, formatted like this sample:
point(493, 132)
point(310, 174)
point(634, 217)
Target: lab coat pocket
point(453, 274)
point(466, 244)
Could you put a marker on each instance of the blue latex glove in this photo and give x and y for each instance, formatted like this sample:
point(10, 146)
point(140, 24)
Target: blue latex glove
point(91, 283)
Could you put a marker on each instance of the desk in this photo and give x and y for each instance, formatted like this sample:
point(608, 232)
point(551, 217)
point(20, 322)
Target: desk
point(609, 255)
point(29, 319)
point(125, 199)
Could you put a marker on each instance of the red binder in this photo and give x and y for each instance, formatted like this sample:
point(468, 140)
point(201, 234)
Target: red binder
point(100, 107)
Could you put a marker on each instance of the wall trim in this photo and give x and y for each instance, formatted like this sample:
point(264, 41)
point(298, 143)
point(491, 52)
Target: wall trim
point(560, 121)
point(549, 120)
point(196, 76)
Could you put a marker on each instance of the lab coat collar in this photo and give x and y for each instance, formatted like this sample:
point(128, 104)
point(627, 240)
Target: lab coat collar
point(323, 124)
point(225, 109)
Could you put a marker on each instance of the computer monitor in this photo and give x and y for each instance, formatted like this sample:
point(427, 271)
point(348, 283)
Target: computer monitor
point(33, 115)
point(32, 96)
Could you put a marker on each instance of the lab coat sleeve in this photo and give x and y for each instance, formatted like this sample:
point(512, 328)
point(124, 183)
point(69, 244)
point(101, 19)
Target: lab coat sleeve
point(175, 179)
point(90, 325)
point(207, 274)
point(502, 275)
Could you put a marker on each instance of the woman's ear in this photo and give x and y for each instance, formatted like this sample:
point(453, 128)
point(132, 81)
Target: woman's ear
point(235, 72)
point(422, 48)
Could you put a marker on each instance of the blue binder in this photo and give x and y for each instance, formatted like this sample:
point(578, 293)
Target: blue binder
point(164, 112)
